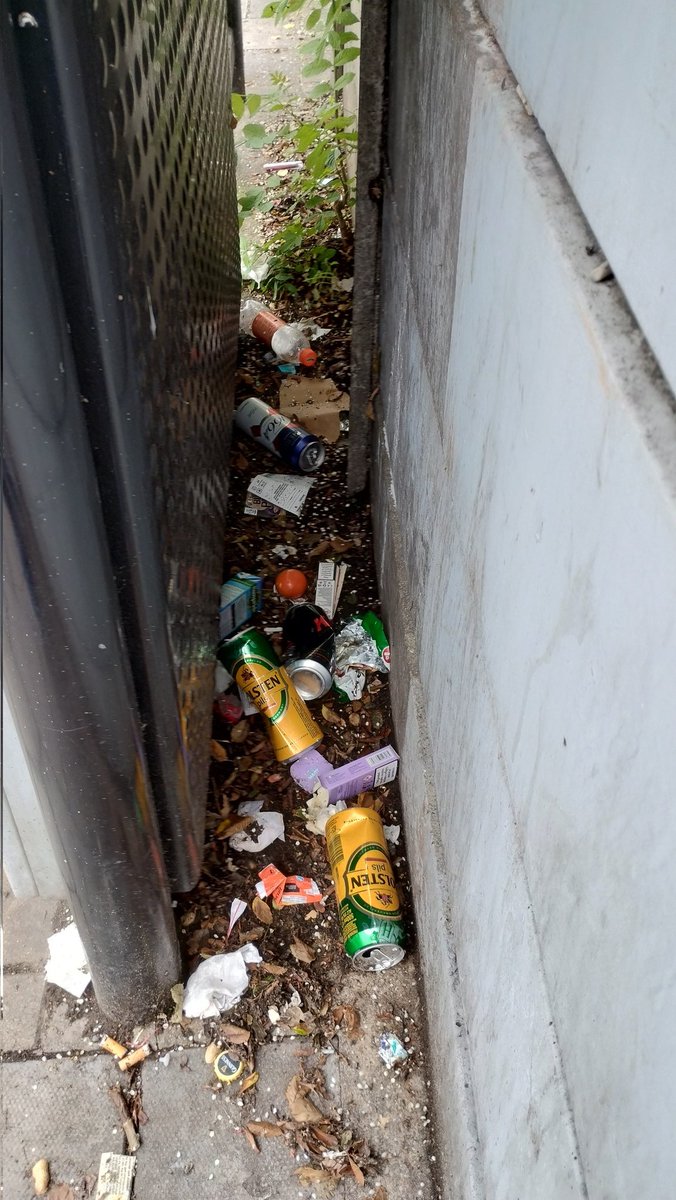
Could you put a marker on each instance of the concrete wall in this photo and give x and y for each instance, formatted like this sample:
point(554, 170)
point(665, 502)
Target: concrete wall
point(524, 492)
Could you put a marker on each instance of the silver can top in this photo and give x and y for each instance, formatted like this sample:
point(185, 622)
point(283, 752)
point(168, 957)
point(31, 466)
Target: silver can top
point(378, 957)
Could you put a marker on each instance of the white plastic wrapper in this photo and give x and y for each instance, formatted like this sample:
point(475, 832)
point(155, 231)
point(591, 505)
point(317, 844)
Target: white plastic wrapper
point(271, 826)
point(219, 982)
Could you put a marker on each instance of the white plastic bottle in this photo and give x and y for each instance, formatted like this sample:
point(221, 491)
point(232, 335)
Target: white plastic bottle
point(288, 342)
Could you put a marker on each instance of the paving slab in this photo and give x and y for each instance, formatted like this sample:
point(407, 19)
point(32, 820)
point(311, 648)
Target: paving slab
point(22, 1000)
point(26, 926)
point(58, 1110)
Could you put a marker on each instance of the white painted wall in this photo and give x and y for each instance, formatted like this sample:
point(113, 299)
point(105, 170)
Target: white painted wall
point(525, 485)
point(601, 79)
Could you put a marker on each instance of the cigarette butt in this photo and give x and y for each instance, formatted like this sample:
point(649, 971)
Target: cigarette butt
point(113, 1047)
point(136, 1056)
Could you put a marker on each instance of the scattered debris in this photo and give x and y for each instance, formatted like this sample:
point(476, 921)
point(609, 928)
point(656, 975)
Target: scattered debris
point(330, 580)
point(177, 996)
point(319, 810)
point(67, 963)
point(308, 641)
point(257, 669)
point(316, 404)
point(237, 909)
point(303, 1111)
point(294, 445)
point(361, 646)
point(128, 1128)
point(228, 1066)
point(116, 1177)
point(278, 491)
point(40, 1173)
point(291, 583)
point(368, 903)
point(287, 341)
point(391, 1050)
point(267, 828)
point(219, 982)
point(241, 598)
point(361, 775)
point(133, 1058)
point(112, 1047)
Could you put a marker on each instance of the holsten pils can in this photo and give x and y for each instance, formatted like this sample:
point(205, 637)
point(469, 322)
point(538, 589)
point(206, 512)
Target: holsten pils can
point(309, 646)
point(300, 449)
point(368, 904)
point(255, 668)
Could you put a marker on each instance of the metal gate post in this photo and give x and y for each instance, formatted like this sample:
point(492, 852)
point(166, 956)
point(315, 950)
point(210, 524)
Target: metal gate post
point(65, 662)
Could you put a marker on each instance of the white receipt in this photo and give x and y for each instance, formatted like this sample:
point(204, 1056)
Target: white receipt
point(286, 491)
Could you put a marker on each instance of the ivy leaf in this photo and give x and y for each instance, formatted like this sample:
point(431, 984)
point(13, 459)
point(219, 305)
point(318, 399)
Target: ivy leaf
point(238, 105)
point(256, 136)
point(305, 137)
point(253, 104)
point(317, 67)
point(347, 56)
point(343, 81)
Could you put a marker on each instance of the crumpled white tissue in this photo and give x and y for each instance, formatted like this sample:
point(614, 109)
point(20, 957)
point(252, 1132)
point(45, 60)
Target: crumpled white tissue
point(219, 982)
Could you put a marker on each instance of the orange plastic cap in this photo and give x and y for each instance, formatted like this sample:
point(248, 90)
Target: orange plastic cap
point(307, 357)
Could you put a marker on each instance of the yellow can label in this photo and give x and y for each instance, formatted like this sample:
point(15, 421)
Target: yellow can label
point(365, 884)
point(291, 728)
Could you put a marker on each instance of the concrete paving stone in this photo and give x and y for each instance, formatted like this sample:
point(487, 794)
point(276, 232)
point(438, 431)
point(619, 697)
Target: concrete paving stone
point(60, 1031)
point(58, 1110)
point(27, 925)
point(22, 1001)
point(265, 35)
point(259, 65)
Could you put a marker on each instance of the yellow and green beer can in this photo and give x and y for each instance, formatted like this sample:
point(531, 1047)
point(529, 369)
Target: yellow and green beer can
point(368, 902)
point(255, 668)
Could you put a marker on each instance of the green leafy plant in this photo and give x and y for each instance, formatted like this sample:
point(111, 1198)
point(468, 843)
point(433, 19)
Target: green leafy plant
point(314, 237)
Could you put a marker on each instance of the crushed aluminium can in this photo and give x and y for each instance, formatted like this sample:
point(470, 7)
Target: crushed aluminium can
point(265, 425)
point(255, 668)
point(368, 903)
point(309, 645)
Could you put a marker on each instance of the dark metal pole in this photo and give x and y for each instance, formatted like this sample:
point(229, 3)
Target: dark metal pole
point(65, 663)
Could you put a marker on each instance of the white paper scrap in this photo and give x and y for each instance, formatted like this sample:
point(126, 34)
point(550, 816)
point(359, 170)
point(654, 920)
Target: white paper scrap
point(67, 963)
point(236, 909)
point(392, 834)
point(330, 580)
point(285, 491)
point(116, 1177)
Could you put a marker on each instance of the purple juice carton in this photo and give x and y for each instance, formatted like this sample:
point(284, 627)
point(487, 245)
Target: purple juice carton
point(309, 769)
point(369, 771)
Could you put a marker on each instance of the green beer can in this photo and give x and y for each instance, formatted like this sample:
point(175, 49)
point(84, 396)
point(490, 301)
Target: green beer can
point(255, 668)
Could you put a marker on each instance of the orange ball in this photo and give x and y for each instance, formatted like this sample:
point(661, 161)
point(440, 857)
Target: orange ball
point(291, 584)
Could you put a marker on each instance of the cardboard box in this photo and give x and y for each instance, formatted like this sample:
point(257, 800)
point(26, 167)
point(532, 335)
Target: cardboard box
point(241, 597)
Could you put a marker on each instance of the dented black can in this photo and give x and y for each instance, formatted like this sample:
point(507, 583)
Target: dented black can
point(309, 648)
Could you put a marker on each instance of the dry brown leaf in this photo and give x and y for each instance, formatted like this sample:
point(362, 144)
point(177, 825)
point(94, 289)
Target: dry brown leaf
point(232, 825)
point(261, 911)
point(218, 752)
point(331, 717)
point(251, 1139)
point(356, 1171)
point(341, 545)
point(310, 1175)
point(327, 1139)
point(211, 1053)
point(352, 1023)
point(61, 1191)
point(251, 935)
point(380, 1194)
point(302, 1110)
point(272, 968)
point(320, 549)
point(249, 1082)
point(265, 1129)
point(240, 732)
point(235, 1034)
point(301, 952)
